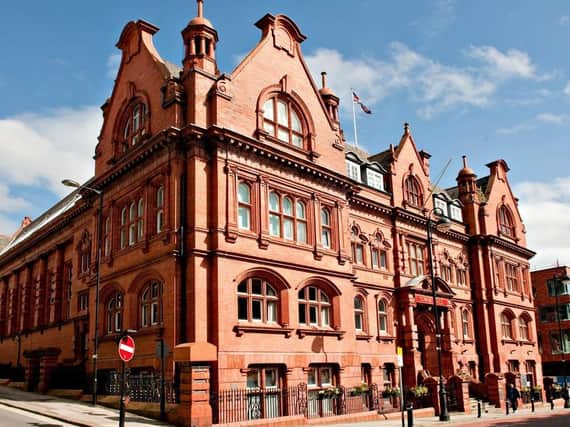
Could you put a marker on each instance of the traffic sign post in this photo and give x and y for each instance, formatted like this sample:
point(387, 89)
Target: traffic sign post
point(400, 357)
point(126, 352)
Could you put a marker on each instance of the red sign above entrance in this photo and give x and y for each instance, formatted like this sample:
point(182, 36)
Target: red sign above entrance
point(126, 348)
point(424, 299)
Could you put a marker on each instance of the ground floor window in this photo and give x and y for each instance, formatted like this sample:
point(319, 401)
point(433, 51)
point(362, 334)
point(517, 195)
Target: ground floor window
point(264, 392)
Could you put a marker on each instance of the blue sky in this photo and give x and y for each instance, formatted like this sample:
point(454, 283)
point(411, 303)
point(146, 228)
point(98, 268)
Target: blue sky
point(488, 79)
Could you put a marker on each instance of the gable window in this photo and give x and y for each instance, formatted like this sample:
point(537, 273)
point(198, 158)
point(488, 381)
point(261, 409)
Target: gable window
point(287, 218)
point(353, 170)
point(374, 179)
point(358, 313)
point(440, 205)
point(244, 206)
point(506, 329)
point(413, 192)
point(506, 224)
point(159, 209)
point(314, 307)
point(326, 228)
point(257, 301)
point(282, 121)
point(135, 126)
point(114, 316)
point(151, 304)
point(461, 277)
point(455, 212)
point(382, 317)
point(523, 329)
point(415, 258)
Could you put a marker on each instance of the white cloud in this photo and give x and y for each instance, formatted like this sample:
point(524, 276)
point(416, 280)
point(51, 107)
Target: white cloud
point(567, 89)
point(552, 118)
point(10, 203)
point(113, 62)
point(544, 207)
point(522, 127)
point(513, 63)
point(435, 87)
point(42, 149)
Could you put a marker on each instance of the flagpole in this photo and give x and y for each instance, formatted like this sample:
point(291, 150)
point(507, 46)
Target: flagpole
point(354, 118)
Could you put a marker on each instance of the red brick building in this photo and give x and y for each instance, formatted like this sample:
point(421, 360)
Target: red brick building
point(237, 220)
point(552, 293)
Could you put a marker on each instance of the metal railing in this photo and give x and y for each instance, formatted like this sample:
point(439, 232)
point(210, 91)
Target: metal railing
point(142, 387)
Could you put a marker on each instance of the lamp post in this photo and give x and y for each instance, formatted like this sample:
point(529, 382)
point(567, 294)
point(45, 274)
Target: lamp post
point(441, 224)
point(559, 284)
point(71, 183)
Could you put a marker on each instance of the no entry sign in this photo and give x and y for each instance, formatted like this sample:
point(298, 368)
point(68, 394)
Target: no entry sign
point(126, 348)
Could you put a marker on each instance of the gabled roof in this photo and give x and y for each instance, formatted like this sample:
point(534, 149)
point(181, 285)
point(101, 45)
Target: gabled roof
point(384, 157)
point(47, 217)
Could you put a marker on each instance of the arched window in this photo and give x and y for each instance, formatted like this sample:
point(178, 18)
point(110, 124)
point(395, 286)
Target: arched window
point(378, 254)
point(357, 247)
point(382, 317)
point(135, 125)
point(359, 313)
point(159, 209)
point(107, 237)
point(465, 323)
point(326, 228)
point(151, 304)
point(114, 316)
point(523, 329)
point(124, 217)
point(314, 307)
point(413, 192)
point(287, 218)
point(244, 206)
point(506, 328)
point(258, 301)
point(506, 224)
point(132, 223)
point(282, 121)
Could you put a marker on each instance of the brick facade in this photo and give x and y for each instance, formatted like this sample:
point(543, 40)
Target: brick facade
point(231, 192)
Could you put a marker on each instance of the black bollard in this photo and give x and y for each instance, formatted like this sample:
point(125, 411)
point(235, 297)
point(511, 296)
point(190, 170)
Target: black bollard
point(552, 404)
point(531, 401)
point(507, 406)
point(478, 408)
point(410, 410)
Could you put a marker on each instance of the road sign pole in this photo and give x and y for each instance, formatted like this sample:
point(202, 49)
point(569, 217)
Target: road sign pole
point(400, 357)
point(122, 401)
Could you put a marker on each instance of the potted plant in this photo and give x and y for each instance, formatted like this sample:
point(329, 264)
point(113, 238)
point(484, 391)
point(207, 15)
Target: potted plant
point(419, 391)
point(359, 390)
point(329, 393)
point(390, 391)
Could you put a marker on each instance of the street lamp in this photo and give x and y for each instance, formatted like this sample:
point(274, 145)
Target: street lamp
point(442, 224)
point(75, 184)
point(559, 284)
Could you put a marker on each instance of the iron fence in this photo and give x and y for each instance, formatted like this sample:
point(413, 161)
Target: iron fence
point(237, 405)
point(142, 387)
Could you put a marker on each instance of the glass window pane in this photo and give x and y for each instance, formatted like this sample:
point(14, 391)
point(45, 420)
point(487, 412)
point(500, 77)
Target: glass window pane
point(274, 225)
point(256, 309)
point(244, 218)
point(271, 378)
point(288, 229)
point(312, 293)
point(358, 321)
point(253, 379)
point(302, 232)
point(383, 323)
point(283, 134)
point(358, 303)
point(325, 376)
point(324, 297)
point(359, 256)
point(269, 291)
point(269, 128)
point(243, 193)
point(300, 210)
point(312, 315)
point(274, 202)
point(268, 109)
point(374, 258)
point(295, 122)
point(302, 314)
point(325, 312)
point(242, 287)
point(326, 239)
point(297, 140)
point(282, 118)
point(256, 286)
point(242, 308)
point(287, 206)
point(311, 377)
point(325, 217)
point(272, 311)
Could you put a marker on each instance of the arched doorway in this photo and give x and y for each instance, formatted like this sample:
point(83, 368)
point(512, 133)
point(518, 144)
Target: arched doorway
point(427, 346)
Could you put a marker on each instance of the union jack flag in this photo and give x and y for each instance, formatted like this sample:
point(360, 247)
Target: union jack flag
point(356, 99)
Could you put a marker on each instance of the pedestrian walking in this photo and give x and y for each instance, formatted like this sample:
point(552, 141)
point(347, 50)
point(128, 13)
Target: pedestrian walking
point(513, 396)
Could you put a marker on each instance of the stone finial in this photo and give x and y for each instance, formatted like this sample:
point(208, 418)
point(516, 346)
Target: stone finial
point(324, 79)
point(464, 160)
point(406, 128)
point(200, 8)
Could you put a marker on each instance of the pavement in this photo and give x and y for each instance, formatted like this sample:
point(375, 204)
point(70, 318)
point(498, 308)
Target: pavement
point(523, 416)
point(70, 411)
point(84, 414)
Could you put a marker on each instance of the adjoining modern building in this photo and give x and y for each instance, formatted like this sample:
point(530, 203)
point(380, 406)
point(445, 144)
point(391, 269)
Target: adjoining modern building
point(241, 229)
point(552, 298)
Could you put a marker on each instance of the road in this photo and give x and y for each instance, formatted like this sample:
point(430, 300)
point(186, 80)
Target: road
point(12, 417)
point(558, 420)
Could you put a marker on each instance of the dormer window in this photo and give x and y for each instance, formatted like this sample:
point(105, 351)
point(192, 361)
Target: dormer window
point(440, 205)
point(353, 170)
point(282, 121)
point(455, 212)
point(375, 179)
point(135, 125)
